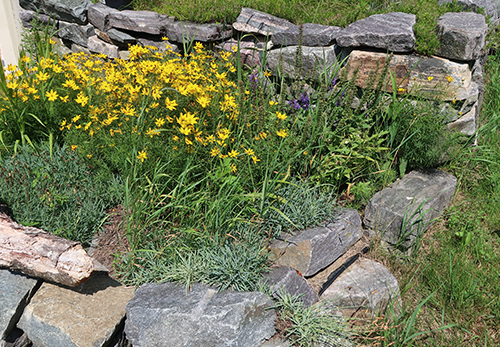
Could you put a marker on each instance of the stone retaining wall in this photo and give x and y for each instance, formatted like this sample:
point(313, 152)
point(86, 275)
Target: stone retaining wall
point(454, 77)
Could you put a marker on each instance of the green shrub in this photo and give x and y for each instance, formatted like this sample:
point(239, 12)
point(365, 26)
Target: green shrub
point(57, 193)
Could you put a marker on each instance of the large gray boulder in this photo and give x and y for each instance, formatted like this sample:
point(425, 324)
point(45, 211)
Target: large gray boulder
point(84, 316)
point(15, 291)
point(257, 22)
point(366, 284)
point(390, 31)
point(168, 315)
point(285, 280)
point(402, 212)
point(490, 7)
point(462, 35)
point(315, 60)
point(98, 15)
point(313, 35)
point(67, 10)
point(315, 249)
point(139, 21)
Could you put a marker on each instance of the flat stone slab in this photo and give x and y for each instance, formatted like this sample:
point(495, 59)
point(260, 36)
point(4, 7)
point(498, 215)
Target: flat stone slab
point(366, 284)
point(257, 22)
point(405, 210)
point(15, 290)
point(67, 10)
point(284, 279)
point(166, 315)
point(465, 124)
point(314, 249)
point(184, 31)
point(85, 316)
point(139, 21)
point(390, 31)
point(315, 60)
point(430, 77)
point(313, 35)
point(462, 35)
point(98, 15)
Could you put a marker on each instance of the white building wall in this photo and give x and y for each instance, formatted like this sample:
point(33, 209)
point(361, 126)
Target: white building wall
point(10, 31)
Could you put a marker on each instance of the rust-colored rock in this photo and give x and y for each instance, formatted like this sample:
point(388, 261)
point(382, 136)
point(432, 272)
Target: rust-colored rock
point(43, 255)
point(430, 77)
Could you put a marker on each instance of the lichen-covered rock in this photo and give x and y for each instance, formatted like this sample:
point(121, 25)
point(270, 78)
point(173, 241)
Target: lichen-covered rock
point(165, 315)
point(403, 211)
point(462, 35)
point(366, 284)
point(389, 31)
point(315, 249)
point(86, 316)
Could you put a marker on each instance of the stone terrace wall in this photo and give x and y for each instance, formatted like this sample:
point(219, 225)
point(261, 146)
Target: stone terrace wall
point(455, 76)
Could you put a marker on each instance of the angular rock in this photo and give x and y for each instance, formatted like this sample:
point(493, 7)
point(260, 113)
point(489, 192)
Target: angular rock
point(68, 10)
point(15, 291)
point(97, 46)
point(366, 284)
point(77, 49)
point(139, 21)
point(250, 54)
point(86, 316)
point(402, 212)
point(314, 249)
point(490, 7)
point(284, 279)
point(123, 55)
point(75, 33)
point(315, 60)
point(276, 342)
point(389, 31)
point(28, 16)
point(465, 124)
point(430, 77)
point(166, 315)
point(162, 46)
point(98, 15)
point(183, 31)
point(120, 38)
point(462, 35)
point(313, 35)
point(257, 22)
point(61, 49)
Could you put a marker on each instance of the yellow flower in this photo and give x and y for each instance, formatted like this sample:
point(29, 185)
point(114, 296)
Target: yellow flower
point(42, 77)
point(204, 101)
point(402, 90)
point(52, 95)
point(89, 156)
point(64, 99)
point(75, 118)
point(82, 99)
point(250, 152)
point(159, 122)
point(430, 78)
point(282, 133)
point(267, 73)
point(74, 147)
point(255, 159)
point(449, 78)
point(175, 138)
point(170, 104)
point(233, 168)
point(164, 38)
point(25, 59)
point(281, 116)
point(87, 126)
point(214, 152)
point(233, 154)
point(188, 141)
point(52, 42)
point(142, 155)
